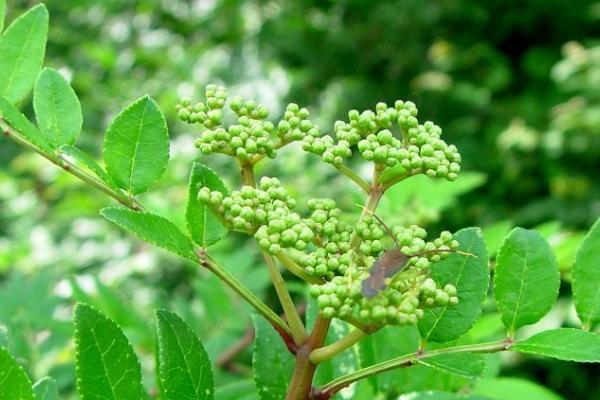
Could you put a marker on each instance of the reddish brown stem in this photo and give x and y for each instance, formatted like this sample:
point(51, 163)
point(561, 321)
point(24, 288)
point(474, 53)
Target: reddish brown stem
point(301, 385)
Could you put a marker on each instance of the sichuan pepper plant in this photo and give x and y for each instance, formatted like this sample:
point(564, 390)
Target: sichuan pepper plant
point(364, 275)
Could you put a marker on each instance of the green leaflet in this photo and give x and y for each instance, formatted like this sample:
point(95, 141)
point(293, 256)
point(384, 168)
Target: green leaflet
point(45, 389)
point(563, 343)
point(107, 367)
point(57, 109)
point(586, 278)
point(22, 46)
point(21, 124)
point(468, 365)
point(527, 279)
point(136, 146)
point(14, 383)
point(153, 229)
point(184, 368)
point(204, 227)
point(271, 362)
point(81, 157)
point(470, 275)
point(512, 389)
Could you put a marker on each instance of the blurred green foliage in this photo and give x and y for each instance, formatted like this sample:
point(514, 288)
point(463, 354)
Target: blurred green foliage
point(514, 84)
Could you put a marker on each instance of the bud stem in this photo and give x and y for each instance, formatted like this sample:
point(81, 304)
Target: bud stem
point(328, 352)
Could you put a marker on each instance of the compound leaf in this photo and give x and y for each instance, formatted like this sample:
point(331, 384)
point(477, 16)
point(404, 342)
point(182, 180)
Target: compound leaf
point(14, 383)
point(153, 229)
point(586, 278)
point(204, 227)
point(184, 368)
point(527, 280)
point(57, 109)
point(107, 367)
point(563, 343)
point(271, 362)
point(470, 275)
point(136, 146)
point(22, 46)
point(45, 389)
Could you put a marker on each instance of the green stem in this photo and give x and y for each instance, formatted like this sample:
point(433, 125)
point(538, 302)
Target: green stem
point(304, 370)
point(57, 160)
point(325, 353)
point(295, 269)
point(280, 145)
point(399, 178)
point(375, 192)
point(213, 266)
point(331, 388)
point(289, 308)
point(247, 172)
point(357, 179)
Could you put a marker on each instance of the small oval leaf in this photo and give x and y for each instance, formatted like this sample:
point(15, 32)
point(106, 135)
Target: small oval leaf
point(57, 109)
point(14, 382)
point(184, 368)
point(564, 344)
point(23, 46)
point(107, 367)
point(136, 146)
point(586, 278)
point(153, 229)
point(204, 227)
point(16, 120)
point(271, 362)
point(470, 275)
point(45, 389)
point(527, 280)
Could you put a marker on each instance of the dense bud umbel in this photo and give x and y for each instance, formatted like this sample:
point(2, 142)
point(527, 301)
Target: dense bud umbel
point(364, 279)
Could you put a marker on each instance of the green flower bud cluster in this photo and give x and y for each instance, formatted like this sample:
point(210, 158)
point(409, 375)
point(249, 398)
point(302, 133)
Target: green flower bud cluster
point(296, 125)
point(412, 242)
point(371, 233)
point(407, 294)
point(286, 230)
point(249, 208)
point(209, 114)
point(430, 153)
point(253, 135)
point(332, 239)
point(416, 147)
